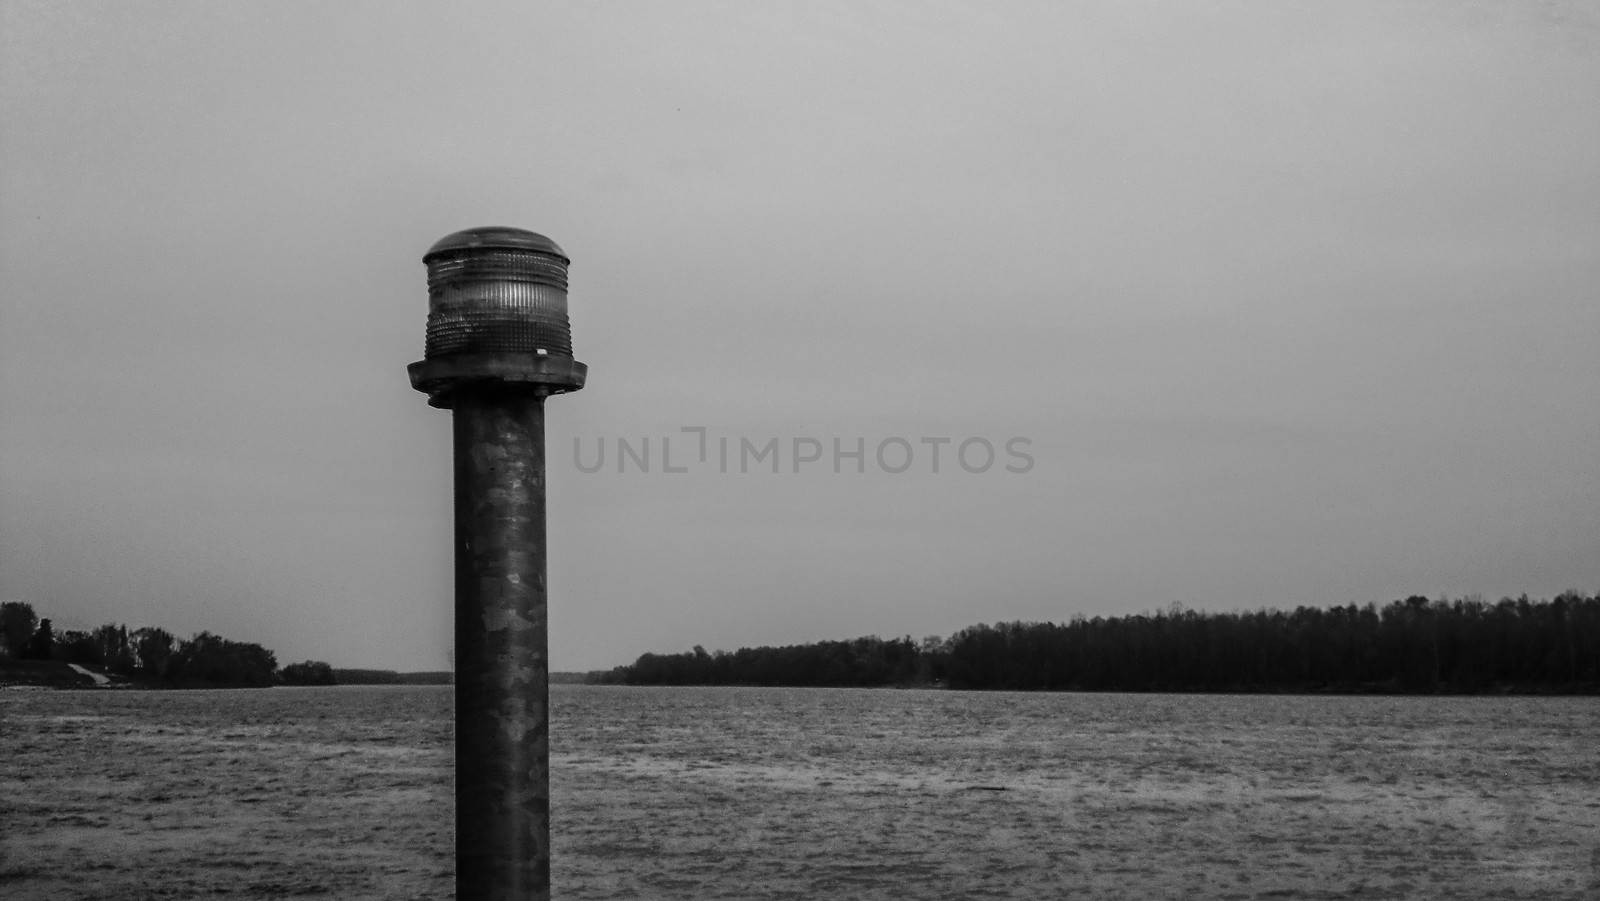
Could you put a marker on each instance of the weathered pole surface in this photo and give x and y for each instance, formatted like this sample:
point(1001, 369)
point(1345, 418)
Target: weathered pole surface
point(502, 742)
point(498, 344)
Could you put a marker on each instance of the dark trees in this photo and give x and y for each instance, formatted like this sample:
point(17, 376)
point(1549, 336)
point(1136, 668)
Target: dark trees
point(17, 624)
point(311, 672)
point(42, 645)
point(212, 658)
point(153, 648)
point(151, 654)
point(1412, 645)
point(860, 662)
point(73, 646)
point(115, 648)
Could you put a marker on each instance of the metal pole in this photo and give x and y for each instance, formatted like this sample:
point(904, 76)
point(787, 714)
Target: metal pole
point(502, 677)
point(498, 344)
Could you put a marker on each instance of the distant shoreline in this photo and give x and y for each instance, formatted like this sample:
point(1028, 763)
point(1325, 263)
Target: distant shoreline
point(57, 675)
point(1375, 692)
point(1413, 646)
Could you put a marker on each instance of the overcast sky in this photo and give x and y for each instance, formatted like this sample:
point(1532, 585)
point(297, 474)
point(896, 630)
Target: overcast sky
point(1287, 303)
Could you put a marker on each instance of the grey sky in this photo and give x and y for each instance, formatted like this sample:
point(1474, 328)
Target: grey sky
point(1297, 303)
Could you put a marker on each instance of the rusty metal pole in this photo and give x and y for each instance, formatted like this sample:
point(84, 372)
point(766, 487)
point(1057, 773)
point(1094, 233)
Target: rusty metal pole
point(499, 343)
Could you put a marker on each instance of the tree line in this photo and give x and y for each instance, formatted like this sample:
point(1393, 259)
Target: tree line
point(390, 677)
point(151, 655)
point(1415, 645)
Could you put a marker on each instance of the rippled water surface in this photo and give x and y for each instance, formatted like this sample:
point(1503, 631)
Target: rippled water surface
point(676, 793)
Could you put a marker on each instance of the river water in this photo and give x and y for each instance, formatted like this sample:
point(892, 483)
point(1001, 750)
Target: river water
point(755, 793)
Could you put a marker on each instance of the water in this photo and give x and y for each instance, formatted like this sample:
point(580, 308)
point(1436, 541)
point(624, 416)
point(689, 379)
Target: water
point(668, 793)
